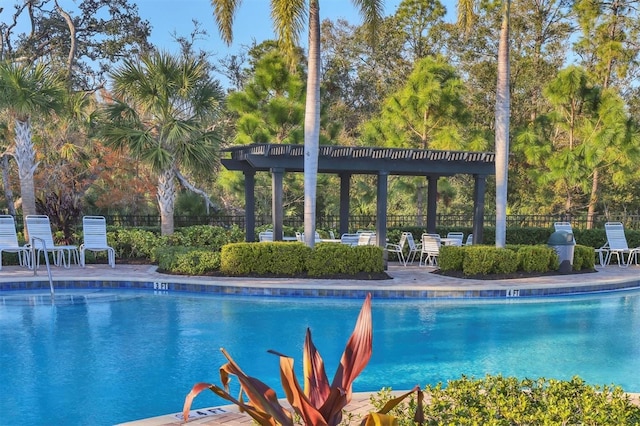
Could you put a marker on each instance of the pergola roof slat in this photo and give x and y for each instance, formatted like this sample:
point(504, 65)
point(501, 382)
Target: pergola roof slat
point(360, 160)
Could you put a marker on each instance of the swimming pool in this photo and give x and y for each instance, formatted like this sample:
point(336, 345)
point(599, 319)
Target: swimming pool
point(128, 355)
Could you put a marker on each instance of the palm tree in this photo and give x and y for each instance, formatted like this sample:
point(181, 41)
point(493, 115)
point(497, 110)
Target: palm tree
point(288, 17)
point(502, 112)
point(163, 113)
point(27, 90)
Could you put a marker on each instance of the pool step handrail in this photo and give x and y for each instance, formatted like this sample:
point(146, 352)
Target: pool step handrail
point(46, 261)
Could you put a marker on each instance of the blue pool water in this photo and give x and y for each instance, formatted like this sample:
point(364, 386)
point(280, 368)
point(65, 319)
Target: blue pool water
point(125, 356)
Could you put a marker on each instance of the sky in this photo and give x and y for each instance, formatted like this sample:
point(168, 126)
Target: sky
point(252, 21)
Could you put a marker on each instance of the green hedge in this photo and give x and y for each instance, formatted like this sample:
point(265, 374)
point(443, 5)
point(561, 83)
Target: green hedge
point(187, 260)
point(484, 260)
point(284, 258)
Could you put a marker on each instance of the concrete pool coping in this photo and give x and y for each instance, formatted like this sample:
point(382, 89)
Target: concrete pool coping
point(406, 282)
point(410, 281)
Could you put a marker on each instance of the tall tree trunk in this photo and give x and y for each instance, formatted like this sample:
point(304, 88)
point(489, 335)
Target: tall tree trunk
point(25, 158)
point(166, 200)
point(502, 129)
point(6, 185)
point(593, 199)
point(312, 125)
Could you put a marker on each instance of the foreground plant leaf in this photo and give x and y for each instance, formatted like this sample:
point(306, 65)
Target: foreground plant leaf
point(263, 403)
point(316, 383)
point(355, 357)
point(295, 394)
point(318, 404)
point(259, 417)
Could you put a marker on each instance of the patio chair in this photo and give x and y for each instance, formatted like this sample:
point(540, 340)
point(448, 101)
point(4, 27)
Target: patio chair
point(94, 230)
point(265, 236)
point(430, 250)
point(350, 239)
point(366, 238)
point(398, 249)
point(414, 248)
point(9, 241)
point(469, 241)
point(41, 241)
point(617, 245)
point(459, 236)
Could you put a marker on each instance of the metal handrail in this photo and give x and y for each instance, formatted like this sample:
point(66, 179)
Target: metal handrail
point(46, 260)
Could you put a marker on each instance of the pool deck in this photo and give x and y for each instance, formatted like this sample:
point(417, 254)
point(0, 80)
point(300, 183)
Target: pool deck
point(409, 281)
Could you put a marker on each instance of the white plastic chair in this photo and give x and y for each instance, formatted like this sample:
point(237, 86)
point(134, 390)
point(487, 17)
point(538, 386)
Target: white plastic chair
point(39, 230)
point(94, 230)
point(9, 241)
point(414, 248)
point(366, 238)
point(266, 236)
point(398, 249)
point(469, 241)
point(458, 236)
point(430, 250)
point(617, 245)
point(350, 239)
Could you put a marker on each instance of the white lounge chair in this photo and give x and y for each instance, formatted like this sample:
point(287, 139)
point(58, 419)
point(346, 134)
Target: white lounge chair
point(94, 230)
point(430, 250)
point(617, 245)
point(41, 241)
point(398, 249)
point(9, 241)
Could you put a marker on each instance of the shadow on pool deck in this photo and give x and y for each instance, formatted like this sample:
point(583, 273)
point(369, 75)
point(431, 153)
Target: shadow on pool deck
point(403, 278)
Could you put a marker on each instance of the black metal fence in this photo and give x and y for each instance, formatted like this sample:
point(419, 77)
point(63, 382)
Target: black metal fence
point(631, 221)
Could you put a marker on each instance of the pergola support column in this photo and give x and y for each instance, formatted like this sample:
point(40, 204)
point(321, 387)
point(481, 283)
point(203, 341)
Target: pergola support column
point(381, 211)
point(345, 186)
point(277, 209)
point(250, 205)
point(432, 201)
point(478, 208)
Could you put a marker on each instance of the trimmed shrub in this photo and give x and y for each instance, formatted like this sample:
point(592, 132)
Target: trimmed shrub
point(208, 236)
point(483, 260)
point(325, 259)
point(133, 243)
point(451, 258)
point(583, 258)
point(505, 261)
point(334, 259)
point(535, 258)
point(275, 258)
point(187, 260)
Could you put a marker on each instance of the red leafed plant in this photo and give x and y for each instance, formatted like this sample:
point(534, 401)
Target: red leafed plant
point(320, 403)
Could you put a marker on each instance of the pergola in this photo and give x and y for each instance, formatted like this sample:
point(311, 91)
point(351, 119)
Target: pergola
point(346, 161)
